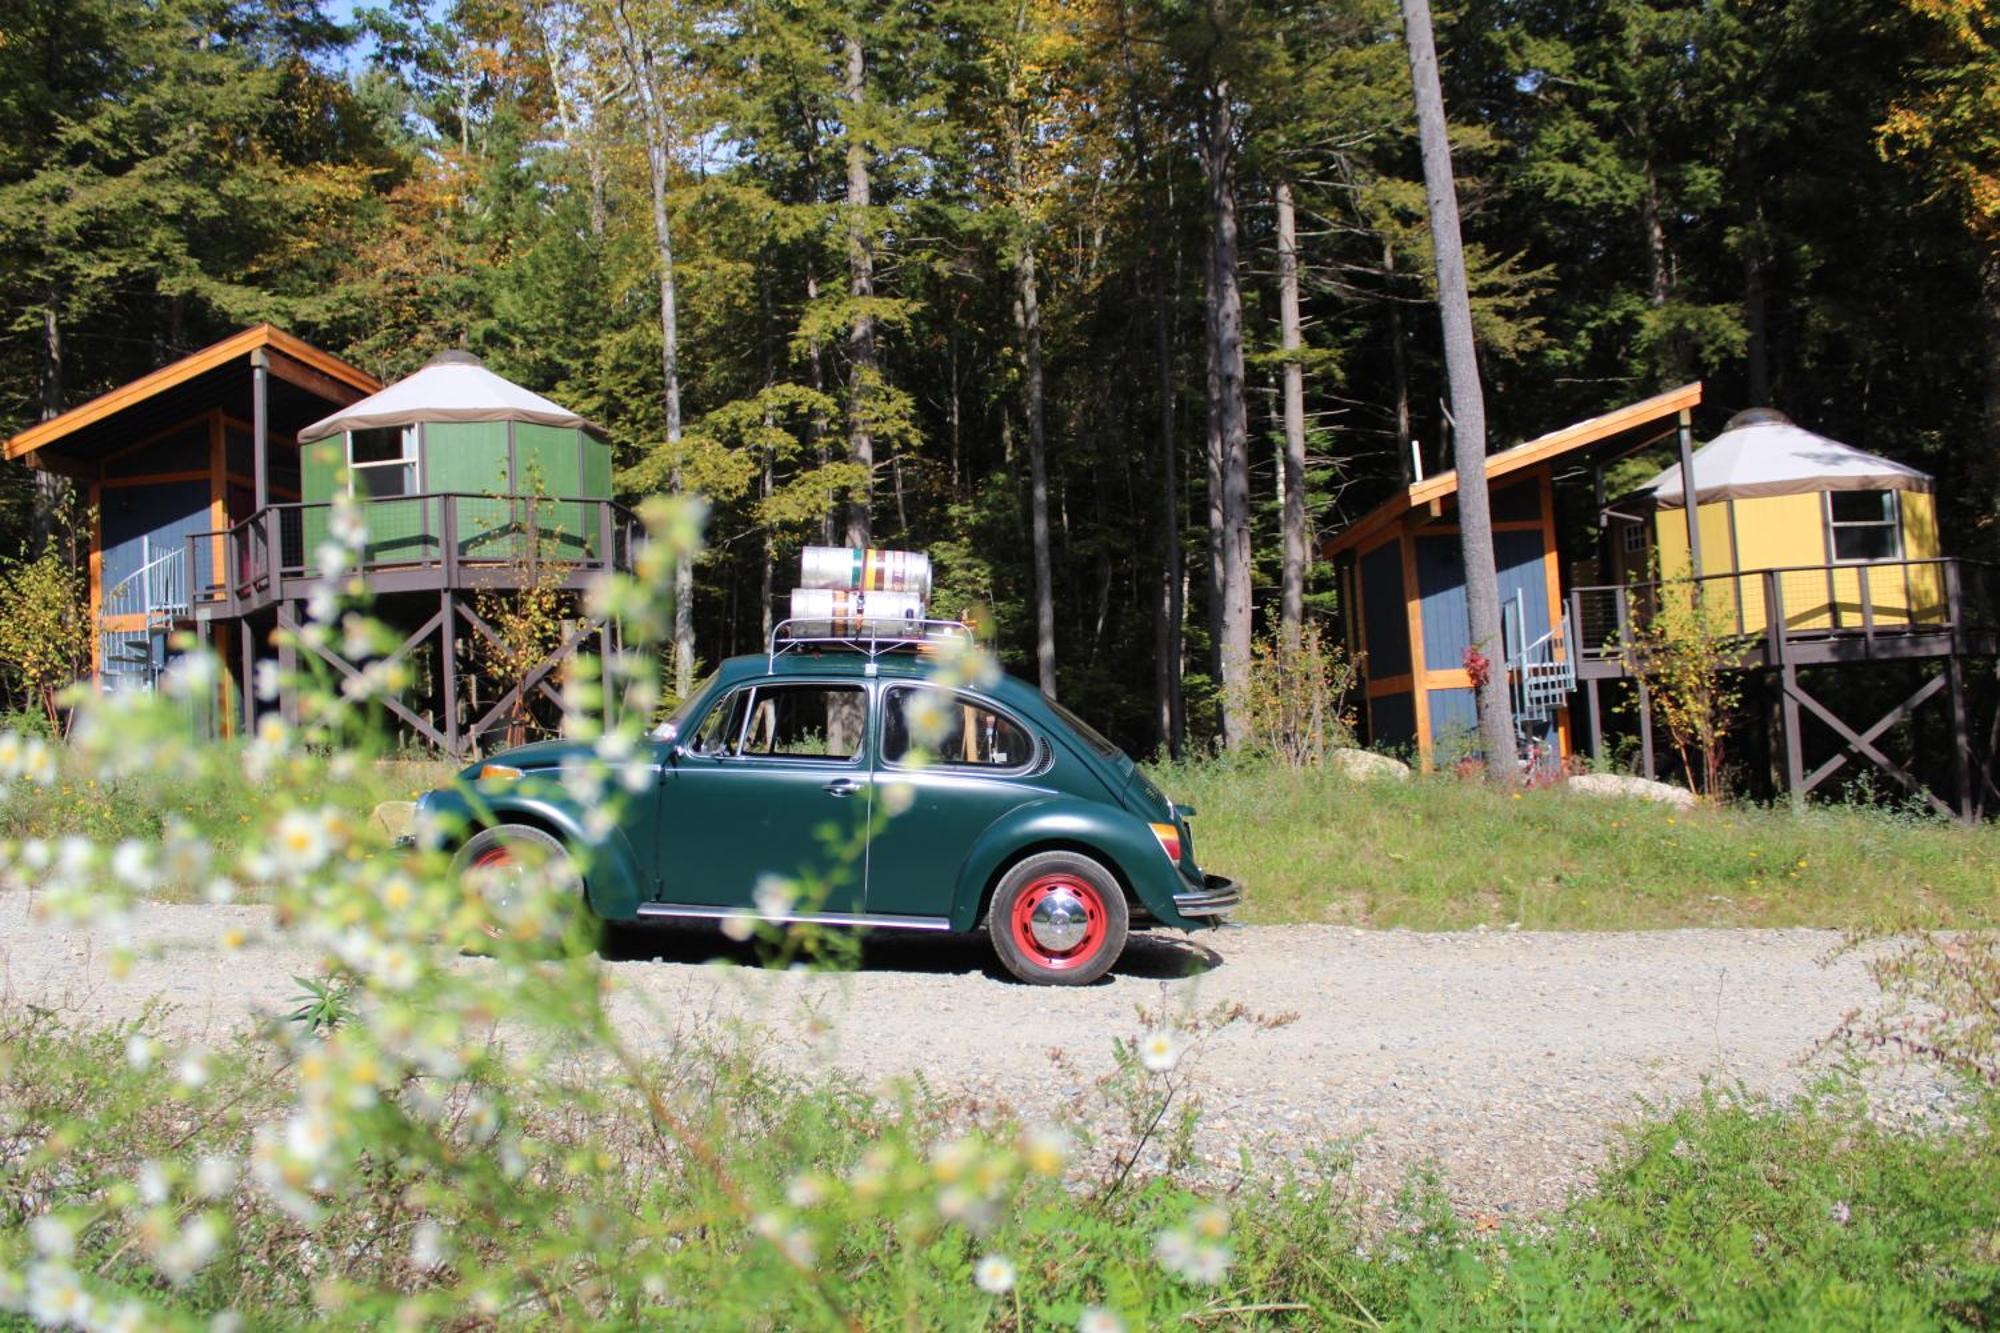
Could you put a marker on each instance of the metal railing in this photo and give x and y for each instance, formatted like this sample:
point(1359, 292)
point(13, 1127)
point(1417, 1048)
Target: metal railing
point(136, 612)
point(443, 532)
point(1804, 602)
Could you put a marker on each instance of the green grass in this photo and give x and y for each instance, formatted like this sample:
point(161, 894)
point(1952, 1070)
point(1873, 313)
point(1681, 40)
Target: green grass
point(1441, 853)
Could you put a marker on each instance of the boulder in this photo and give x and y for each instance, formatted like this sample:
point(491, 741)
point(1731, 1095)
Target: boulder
point(394, 818)
point(1622, 784)
point(1365, 765)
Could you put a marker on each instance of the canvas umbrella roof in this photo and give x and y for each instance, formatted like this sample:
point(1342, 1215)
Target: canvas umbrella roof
point(453, 386)
point(1761, 452)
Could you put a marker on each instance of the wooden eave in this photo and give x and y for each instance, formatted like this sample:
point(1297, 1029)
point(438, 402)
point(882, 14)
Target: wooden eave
point(311, 360)
point(1541, 449)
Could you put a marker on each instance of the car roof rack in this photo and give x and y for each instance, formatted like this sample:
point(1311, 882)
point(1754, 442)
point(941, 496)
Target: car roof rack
point(800, 635)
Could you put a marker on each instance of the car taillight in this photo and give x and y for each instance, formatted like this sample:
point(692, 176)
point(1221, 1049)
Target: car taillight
point(1170, 840)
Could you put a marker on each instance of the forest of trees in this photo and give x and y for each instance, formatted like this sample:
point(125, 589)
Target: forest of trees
point(1007, 280)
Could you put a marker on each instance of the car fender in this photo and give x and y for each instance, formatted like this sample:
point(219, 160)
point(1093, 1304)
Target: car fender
point(1106, 832)
point(612, 881)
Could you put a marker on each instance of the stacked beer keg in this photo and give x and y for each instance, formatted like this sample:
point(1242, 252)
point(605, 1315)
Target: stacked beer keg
point(860, 592)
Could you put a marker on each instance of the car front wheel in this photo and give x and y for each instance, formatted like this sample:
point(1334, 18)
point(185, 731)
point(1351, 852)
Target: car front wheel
point(1058, 919)
point(529, 889)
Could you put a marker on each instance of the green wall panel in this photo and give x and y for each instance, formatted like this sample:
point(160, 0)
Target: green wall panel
point(469, 458)
point(548, 463)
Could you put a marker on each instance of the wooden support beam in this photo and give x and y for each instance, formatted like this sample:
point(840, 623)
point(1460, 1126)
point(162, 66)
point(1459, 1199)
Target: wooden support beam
point(260, 424)
point(448, 658)
point(533, 679)
point(1797, 694)
point(1647, 767)
point(346, 668)
point(1917, 699)
point(1961, 738)
point(1684, 436)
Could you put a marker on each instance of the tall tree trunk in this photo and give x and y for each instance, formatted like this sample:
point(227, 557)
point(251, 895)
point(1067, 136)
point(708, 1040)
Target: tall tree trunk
point(1232, 427)
point(1170, 611)
point(1756, 301)
point(50, 487)
point(1167, 635)
point(1985, 468)
point(1212, 458)
point(1399, 370)
point(863, 370)
point(1468, 405)
point(1292, 593)
point(1028, 316)
point(643, 67)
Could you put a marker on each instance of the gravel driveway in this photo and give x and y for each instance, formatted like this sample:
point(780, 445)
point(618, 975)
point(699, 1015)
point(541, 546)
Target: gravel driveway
point(1507, 1059)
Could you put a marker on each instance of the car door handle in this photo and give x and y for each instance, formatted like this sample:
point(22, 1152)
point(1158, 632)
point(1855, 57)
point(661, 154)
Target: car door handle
point(842, 787)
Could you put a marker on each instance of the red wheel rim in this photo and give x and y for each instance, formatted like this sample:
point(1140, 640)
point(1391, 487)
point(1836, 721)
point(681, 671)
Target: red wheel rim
point(496, 855)
point(1097, 922)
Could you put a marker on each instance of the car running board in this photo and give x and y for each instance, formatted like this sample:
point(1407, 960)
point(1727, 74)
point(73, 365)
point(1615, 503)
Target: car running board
point(881, 921)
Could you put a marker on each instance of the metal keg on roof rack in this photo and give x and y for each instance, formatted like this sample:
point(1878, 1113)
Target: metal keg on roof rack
point(869, 599)
point(865, 569)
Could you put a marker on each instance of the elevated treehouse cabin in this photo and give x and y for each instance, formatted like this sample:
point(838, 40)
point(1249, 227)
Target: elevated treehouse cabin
point(1810, 554)
point(213, 481)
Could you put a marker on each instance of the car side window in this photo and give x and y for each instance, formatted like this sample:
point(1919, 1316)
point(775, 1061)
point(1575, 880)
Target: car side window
point(723, 726)
point(951, 730)
point(798, 721)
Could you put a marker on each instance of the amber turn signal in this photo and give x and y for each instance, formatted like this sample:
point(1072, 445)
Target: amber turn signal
point(498, 773)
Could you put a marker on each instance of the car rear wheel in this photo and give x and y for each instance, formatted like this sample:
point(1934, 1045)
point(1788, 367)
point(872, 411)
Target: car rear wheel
point(529, 889)
point(1058, 919)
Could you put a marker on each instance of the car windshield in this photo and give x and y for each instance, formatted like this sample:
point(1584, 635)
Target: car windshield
point(677, 721)
point(1089, 734)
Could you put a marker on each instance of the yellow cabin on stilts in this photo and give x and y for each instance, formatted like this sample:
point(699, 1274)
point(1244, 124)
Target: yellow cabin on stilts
point(1839, 536)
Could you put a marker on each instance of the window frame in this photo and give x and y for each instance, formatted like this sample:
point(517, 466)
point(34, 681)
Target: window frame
point(735, 753)
point(1893, 522)
point(1038, 747)
point(1633, 539)
point(407, 460)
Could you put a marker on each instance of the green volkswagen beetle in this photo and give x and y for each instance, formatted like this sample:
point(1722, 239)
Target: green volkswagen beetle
point(1012, 816)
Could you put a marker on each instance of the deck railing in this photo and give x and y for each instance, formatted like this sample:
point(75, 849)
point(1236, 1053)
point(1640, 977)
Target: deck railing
point(445, 535)
point(1884, 599)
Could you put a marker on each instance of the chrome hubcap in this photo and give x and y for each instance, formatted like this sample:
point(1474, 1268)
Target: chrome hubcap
point(1059, 921)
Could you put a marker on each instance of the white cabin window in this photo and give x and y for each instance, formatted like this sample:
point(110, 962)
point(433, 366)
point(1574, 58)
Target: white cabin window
point(382, 462)
point(1635, 537)
point(1866, 525)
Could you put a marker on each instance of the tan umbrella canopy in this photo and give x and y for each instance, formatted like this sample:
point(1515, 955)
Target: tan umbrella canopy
point(1760, 452)
point(453, 386)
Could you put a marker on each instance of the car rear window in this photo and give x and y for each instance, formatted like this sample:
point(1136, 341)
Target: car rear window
point(1089, 734)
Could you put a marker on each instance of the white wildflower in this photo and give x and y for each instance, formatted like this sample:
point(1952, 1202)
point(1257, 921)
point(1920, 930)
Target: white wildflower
point(132, 863)
point(773, 895)
point(331, 561)
point(993, 1274)
point(55, 1298)
point(227, 1322)
point(11, 753)
point(1097, 1319)
point(266, 681)
point(128, 1317)
point(38, 763)
point(897, 797)
point(1173, 1250)
point(154, 1187)
point(308, 1138)
point(139, 1051)
point(52, 1237)
point(1046, 1150)
point(220, 890)
point(190, 1252)
point(1209, 1222)
point(323, 604)
point(1207, 1265)
point(739, 926)
point(805, 1191)
point(1159, 1051)
point(302, 844)
point(36, 855)
point(215, 1176)
point(427, 1245)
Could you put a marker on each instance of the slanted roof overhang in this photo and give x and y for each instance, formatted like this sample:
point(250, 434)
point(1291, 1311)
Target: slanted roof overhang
point(1542, 449)
point(304, 383)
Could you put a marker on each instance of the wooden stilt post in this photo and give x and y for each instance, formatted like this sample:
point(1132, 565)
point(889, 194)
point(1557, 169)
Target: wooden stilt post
point(288, 661)
point(1961, 737)
point(1647, 767)
point(248, 647)
point(260, 425)
point(604, 679)
point(1596, 720)
point(1685, 435)
point(448, 660)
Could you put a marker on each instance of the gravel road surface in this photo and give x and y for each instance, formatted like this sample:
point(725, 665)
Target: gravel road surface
point(1508, 1060)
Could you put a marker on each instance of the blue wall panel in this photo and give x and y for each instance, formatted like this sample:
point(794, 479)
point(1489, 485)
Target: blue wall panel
point(1386, 620)
point(1454, 721)
point(1392, 721)
point(152, 520)
point(1441, 584)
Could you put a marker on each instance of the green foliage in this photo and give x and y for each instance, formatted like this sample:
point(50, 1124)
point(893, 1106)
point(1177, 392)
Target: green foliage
point(44, 628)
point(1682, 649)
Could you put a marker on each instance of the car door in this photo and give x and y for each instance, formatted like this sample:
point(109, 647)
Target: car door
point(773, 783)
point(948, 764)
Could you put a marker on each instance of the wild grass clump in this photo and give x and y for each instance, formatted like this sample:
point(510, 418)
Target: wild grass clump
point(1438, 853)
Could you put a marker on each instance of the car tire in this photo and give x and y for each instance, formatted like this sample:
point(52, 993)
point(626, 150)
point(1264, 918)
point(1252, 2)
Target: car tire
point(1058, 919)
point(495, 863)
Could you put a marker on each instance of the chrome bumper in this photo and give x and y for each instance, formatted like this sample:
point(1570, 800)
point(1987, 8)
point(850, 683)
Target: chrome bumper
point(1217, 897)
